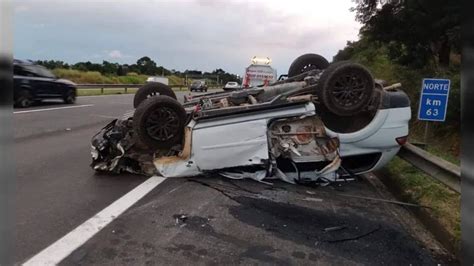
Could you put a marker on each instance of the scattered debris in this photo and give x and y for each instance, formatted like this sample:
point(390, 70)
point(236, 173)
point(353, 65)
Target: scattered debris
point(313, 199)
point(180, 218)
point(385, 200)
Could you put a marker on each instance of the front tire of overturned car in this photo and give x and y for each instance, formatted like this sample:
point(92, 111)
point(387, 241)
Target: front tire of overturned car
point(159, 122)
point(152, 89)
point(345, 88)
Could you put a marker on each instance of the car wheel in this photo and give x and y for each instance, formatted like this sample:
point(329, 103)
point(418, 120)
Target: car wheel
point(159, 122)
point(306, 63)
point(345, 88)
point(70, 97)
point(152, 89)
point(25, 99)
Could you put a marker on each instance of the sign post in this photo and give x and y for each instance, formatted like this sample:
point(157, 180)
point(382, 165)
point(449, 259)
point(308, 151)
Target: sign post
point(433, 101)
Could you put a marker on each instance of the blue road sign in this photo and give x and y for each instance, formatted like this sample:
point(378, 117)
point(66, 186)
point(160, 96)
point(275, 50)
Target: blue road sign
point(434, 99)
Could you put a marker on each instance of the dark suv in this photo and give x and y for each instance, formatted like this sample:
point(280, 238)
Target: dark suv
point(198, 85)
point(35, 83)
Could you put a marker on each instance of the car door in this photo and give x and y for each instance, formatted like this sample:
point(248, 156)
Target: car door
point(49, 86)
point(25, 78)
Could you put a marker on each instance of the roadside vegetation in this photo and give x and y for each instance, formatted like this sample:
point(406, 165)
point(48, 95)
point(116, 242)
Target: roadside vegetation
point(420, 188)
point(398, 47)
point(137, 73)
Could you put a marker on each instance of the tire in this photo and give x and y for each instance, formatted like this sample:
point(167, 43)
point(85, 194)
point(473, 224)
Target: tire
point(345, 88)
point(159, 113)
point(25, 99)
point(152, 89)
point(70, 97)
point(307, 62)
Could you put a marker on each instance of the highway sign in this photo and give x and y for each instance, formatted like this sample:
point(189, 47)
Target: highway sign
point(434, 99)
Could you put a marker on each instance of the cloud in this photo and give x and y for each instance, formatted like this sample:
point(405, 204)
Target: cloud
point(185, 34)
point(115, 54)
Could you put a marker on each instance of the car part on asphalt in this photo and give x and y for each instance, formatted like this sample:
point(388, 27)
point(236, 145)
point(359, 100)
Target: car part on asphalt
point(152, 89)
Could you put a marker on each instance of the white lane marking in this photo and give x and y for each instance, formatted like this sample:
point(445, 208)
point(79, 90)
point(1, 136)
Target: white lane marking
point(106, 95)
point(106, 116)
point(52, 109)
point(63, 247)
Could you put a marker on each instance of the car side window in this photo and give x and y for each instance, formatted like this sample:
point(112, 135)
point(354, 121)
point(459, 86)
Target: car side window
point(29, 70)
point(18, 71)
point(43, 72)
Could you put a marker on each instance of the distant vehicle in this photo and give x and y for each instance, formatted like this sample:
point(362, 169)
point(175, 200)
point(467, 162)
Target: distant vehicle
point(231, 85)
point(198, 85)
point(35, 83)
point(259, 73)
point(160, 79)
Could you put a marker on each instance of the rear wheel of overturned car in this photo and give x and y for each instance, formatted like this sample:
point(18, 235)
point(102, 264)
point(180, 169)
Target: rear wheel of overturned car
point(159, 122)
point(307, 62)
point(152, 89)
point(345, 88)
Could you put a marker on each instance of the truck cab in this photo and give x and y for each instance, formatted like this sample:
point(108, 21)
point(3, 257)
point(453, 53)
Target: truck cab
point(259, 73)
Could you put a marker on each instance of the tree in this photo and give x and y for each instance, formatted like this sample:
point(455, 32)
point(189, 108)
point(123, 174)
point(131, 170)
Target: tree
point(147, 66)
point(109, 68)
point(415, 31)
point(52, 64)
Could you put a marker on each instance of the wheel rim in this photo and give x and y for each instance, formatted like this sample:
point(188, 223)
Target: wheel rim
point(162, 124)
point(25, 102)
point(151, 94)
point(71, 97)
point(348, 90)
point(308, 67)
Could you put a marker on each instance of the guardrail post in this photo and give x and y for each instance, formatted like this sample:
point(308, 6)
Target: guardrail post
point(102, 90)
point(125, 89)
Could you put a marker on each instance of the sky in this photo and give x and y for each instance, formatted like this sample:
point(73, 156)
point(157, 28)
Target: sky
point(182, 34)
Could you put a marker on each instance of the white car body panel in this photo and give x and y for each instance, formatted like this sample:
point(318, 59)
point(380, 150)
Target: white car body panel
point(221, 143)
point(379, 136)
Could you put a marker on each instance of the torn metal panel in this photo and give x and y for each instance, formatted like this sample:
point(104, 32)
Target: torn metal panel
point(302, 139)
point(225, 146)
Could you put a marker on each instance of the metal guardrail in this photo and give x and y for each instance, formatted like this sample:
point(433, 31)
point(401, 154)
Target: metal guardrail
point(127, 86)
point(443, 171)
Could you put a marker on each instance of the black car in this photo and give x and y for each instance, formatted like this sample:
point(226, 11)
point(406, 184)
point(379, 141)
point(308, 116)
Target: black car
point(35, 83)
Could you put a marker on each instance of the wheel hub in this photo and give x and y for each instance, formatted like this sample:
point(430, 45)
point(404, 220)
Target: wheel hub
point(348, 90)
point(162, 124)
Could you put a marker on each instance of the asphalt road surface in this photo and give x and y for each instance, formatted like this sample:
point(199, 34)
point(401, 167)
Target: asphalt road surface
point(192, 221)
point(56, 188)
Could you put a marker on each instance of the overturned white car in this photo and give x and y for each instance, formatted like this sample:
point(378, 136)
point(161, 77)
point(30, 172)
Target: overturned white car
point(324, 122)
